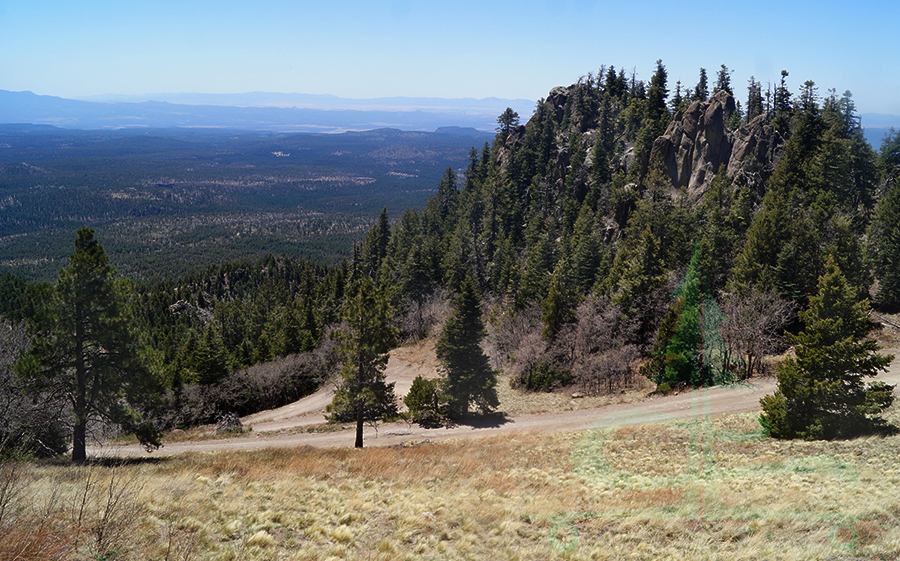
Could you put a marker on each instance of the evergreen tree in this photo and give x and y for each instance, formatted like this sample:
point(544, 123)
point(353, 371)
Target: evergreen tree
point(657, 94)
point(701, 90)
point(376, 244)
point(821, 393)
point(506, 122)
point(211, 362)
point(889, 155)
point(364, 342)
point(470, 380)
point(884, 241)
point(754, 99)
point(782, 105)
point(84, 348)
point(685, 346)
point(723, 80)
point(678, 100)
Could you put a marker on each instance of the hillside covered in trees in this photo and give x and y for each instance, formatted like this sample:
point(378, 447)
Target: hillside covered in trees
point(625, 226)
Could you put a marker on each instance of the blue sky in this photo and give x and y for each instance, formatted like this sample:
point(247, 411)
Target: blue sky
point(463, 48)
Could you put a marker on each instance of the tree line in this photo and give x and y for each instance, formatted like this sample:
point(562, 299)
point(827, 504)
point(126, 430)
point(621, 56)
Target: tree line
point(576, 251)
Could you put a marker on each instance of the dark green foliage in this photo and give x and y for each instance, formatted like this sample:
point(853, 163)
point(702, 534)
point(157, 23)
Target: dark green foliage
point(364, 341)
point(30, 424)
point(470, 380)
point(889, 155)
point(690, 348)
point(14, 303)
point(84, 348)
point(257, 388)
point(754, 106)
point(544, 376)
point(821, 393)
point(701, 90)
point(683, 350)
point(723, 80)
point(884, 231)
point(425, 401)
point(815, 185)
point(506, 122)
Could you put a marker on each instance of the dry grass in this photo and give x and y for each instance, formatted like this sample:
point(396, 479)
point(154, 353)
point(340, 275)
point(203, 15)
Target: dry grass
point(695, 489)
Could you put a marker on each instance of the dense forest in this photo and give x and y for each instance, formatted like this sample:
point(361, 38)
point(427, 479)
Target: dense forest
point(167, 202)
point(624, 222)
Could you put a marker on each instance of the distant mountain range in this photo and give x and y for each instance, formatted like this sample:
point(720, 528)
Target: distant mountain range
point(256, 111)
point(876, 125)
point(291, 112)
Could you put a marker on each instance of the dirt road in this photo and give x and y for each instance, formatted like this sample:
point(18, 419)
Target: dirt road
point(288, 426)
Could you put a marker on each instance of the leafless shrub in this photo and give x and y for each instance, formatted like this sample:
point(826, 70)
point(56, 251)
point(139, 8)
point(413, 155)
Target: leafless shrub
point(527, 357)
point(597, 351)
point(260, 387)
point(422, 316)
point(116, 511)
point(510, 333)
point(30, 422)
point(607, 371)
point(754, 328)
point(181, 542)
point(35, 539)
point(11, 485)
point(600, 346)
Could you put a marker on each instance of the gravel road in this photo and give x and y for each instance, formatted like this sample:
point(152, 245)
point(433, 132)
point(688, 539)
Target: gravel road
point(290, 426)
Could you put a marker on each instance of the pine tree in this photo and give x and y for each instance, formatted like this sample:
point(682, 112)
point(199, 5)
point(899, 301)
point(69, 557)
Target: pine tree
point(821, 393)
point(723, 80)
point(701, 90)
point(470, 380)
point(685, 346)
point(884, 232)
point(754, 99)
point(506, 122)
point(365, 340)
point(84, 348)
point(884, 246)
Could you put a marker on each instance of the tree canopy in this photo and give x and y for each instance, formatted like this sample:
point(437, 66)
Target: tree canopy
point(84, 349)
point(821, 392)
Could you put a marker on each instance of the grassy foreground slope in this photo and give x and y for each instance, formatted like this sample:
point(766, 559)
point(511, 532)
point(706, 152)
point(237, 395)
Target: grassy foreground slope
point(699, 489)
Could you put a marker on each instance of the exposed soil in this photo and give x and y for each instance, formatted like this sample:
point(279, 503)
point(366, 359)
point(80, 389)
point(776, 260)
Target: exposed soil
point(303, 423)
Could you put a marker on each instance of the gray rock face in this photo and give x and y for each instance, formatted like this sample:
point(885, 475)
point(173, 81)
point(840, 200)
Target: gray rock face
point(697, 142)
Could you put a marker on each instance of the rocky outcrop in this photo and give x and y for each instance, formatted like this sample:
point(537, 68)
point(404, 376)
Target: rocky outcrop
point(756, 147)
point(697, 142)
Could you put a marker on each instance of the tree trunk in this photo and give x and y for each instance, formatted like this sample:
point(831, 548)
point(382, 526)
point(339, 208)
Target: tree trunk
point(79, 434)
point(79, 437)
point(359, 423)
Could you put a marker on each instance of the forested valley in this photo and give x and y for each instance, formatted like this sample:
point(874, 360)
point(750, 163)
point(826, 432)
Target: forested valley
point(628, 230)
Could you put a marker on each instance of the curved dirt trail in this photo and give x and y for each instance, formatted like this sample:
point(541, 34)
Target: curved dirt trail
point(273, 428)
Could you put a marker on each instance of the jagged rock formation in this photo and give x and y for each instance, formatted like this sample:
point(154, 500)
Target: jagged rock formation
point(697, 142)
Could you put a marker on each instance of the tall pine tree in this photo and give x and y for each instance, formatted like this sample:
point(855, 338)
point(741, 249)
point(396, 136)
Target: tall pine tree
point(470, 380)
point(84, 348)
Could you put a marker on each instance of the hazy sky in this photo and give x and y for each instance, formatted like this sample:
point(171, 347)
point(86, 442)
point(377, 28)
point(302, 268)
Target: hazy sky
point(463, 48)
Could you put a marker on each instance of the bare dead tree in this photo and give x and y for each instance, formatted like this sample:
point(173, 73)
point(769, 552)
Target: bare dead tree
point(754, 328)
point(421, 316)
point(507, 333)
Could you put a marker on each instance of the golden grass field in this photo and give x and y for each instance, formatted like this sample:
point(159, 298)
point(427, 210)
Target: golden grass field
point(704, 488)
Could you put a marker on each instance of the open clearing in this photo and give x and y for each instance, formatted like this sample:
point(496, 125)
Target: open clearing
point(303, 423)
point(686, 476)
